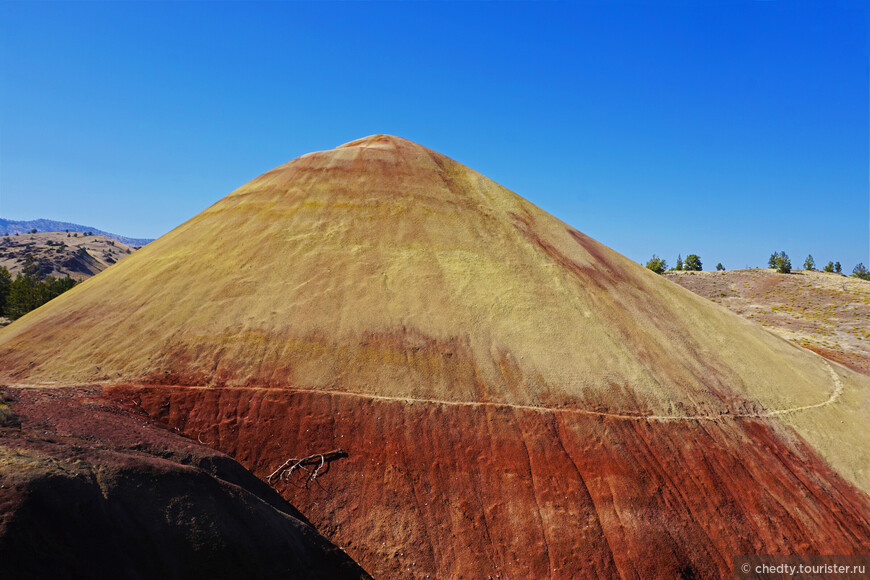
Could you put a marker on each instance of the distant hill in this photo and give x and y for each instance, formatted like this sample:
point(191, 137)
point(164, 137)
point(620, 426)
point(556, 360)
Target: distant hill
point(824, 312)
point(43, 225)
point(59, 254)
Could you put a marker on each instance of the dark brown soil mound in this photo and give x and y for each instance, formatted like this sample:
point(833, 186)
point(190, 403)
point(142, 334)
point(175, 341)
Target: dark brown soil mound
point(88, 490)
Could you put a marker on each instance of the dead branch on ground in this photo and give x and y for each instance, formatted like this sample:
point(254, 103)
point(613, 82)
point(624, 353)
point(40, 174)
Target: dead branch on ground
point(304, 464)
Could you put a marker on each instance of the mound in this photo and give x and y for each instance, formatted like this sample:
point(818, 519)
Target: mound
point(498, 379)
point(91, 491)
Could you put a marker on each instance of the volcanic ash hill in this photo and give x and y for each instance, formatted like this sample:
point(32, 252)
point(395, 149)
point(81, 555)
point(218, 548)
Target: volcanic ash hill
point(514, 397)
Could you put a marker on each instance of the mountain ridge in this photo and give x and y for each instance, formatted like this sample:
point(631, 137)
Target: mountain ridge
point(45, 225)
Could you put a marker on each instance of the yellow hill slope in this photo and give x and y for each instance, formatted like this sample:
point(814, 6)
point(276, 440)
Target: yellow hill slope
point(386, 269)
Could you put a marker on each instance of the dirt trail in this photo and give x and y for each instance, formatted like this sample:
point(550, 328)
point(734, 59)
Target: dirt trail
point(836, 393)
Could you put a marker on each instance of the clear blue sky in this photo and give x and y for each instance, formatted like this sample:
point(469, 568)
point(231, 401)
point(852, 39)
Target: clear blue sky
point(726, 129)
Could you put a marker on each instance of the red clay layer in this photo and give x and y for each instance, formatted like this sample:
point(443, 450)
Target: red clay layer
point(450, 491)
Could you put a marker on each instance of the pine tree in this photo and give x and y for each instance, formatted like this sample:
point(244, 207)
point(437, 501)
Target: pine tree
point(28, 292)
point(782, 263)
point(679, 265)
point(657, 265)
point(693, 262)
point(809, 263)
point(5, 284)
point(24, 295)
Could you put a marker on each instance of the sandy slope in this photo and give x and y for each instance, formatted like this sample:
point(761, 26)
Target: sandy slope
point(382, 267)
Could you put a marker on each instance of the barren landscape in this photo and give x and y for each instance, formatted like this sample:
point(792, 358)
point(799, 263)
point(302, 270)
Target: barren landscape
point(511, 398)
